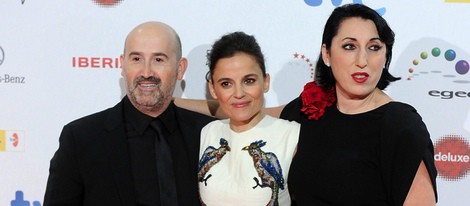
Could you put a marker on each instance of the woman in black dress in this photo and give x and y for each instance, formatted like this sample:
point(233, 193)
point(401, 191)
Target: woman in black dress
point(357, 146)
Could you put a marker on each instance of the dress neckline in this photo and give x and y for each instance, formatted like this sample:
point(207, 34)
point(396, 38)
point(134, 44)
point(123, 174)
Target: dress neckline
point(379, 108)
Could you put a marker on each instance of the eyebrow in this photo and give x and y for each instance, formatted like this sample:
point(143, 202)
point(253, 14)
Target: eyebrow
point(224, 79)
point(354, 39)
point(244, 77)
point(153, 54)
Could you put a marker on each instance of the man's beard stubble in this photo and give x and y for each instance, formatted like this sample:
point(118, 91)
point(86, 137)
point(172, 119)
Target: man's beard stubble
point(153, 100)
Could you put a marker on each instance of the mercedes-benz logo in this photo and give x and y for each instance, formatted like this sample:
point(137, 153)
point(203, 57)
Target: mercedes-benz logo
point(2, 55)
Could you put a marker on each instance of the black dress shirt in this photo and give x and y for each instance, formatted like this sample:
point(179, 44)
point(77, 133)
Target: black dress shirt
point(141, 139)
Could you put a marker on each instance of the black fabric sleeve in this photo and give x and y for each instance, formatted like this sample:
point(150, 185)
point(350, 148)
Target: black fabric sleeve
point(292, 111)
point(405, 142)
point(64, 185)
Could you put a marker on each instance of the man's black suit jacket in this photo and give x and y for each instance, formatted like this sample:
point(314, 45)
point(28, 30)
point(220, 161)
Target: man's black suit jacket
point(92, 165)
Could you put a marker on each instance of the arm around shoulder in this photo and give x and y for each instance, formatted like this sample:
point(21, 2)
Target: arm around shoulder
point(203, 106)
point(274, 111)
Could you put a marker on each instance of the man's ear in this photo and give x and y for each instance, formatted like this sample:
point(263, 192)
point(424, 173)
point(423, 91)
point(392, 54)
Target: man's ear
point(182, 65)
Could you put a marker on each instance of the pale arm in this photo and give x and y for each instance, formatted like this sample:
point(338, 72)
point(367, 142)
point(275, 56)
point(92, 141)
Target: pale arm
point(421, 192)
point(211, 107)
point(203, 106)
point(274, 111)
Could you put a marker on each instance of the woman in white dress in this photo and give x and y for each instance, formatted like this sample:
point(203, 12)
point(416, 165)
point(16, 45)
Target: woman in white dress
point(245, 159)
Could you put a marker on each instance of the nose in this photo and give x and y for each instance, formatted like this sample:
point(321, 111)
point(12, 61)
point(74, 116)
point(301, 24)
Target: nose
point(239, 92)
point(361, 60)
point(147, 69)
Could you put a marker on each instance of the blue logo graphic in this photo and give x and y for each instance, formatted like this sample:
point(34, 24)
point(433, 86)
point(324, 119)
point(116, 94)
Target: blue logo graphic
point(337, 3)
point(20, 201)
point(461, 67)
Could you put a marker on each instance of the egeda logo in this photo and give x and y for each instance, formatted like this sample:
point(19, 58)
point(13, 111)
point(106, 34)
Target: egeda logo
point(337, 3)
point(449, 67)
point(20, 201)
point(439, 68)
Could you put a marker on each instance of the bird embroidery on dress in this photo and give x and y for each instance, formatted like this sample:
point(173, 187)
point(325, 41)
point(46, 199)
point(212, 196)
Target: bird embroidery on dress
point(209, 158)
point(268, 168)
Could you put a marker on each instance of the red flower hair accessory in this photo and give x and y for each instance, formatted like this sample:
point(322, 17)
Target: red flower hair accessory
point(315, 99)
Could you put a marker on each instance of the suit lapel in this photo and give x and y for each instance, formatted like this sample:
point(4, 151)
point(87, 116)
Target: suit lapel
point(118, 153)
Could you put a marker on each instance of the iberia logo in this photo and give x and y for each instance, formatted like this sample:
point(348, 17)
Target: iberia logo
point(107, 3)
point(95, 62)
point(452, 157)
point(11, 141)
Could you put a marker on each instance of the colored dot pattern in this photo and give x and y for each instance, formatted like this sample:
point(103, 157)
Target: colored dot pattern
point(461, 67)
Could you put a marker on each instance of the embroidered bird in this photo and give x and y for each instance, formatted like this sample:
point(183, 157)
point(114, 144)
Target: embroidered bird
point(268, 168)
point(209, 158)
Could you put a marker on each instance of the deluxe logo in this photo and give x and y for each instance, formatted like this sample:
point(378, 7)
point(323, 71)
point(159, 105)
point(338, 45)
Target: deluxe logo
point(2, 56)
point(11, 141)
point(106, 3)
point(96, 62)
point(337, 3)
point(452, 157)
point(20, 201)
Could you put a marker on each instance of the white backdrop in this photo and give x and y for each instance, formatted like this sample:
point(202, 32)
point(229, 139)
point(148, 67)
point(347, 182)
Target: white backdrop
point(57, 63)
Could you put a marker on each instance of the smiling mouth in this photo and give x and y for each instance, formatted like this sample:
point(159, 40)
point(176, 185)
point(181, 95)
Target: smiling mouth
point(147, 85)
point(240, 105)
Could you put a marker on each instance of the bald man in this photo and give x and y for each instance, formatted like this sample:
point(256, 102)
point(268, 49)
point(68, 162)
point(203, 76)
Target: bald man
point(109, 158)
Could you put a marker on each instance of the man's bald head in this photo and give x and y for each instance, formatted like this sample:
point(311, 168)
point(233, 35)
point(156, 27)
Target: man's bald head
point(151, 65)
point(155, 28)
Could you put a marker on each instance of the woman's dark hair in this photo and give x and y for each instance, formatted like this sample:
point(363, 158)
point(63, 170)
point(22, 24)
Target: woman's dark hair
point(323, 74)
point(230, 44)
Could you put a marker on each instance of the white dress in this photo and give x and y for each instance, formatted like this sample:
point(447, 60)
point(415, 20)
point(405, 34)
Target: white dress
point(246, 168)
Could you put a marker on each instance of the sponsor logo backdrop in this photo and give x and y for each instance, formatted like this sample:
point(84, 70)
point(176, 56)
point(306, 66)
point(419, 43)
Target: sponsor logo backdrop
point(59, 62)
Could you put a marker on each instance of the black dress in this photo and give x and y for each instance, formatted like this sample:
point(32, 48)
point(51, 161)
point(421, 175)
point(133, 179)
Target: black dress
point(364, 159)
